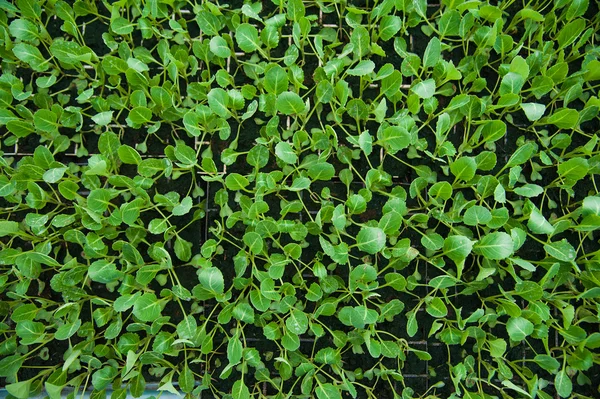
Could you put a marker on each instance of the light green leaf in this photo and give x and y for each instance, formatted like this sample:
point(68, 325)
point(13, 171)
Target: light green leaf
point(240, 390)
point(436, 308)
point(212, 279)
point(389, 25)
point(297, 322)
point(563, 384)
point(8, 228)
point(129, 155)
point(19, 390)
point(219, 47)
point(276, 80)
point(511, 83)
point(432, 53)
point(286, 153)
point(424, 89)
point(477, 214)
point(147, 307)
point(564, 118)
point(363, 68)
point(533, 111)
point(464, 168)
point(371, 239)
point(218, 101)
point(236, 182)
point(32, 56)
point(519, 328)
point(121, 26)
point(361, 40)
point(246, 36)
point(561, 250)
point(457, 248)
point(495, 246)
point(254, 241)
point(289, 103)
point(23, 29)
point(328, 391)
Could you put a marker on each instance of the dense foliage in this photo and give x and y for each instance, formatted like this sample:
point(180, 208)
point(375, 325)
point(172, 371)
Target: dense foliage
point(373, 199)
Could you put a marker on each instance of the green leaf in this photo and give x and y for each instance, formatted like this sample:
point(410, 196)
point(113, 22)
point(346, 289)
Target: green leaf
point(457, 248)
point(561, 250)
point(254, 241)
point(519, 328)
point(218, 101)
point(538, 224)
point(219, 47)
point(67, 330)
point(432, 53)
point(32, 56)
point(547, 362)
point(321, 171)
point(162, 97)
point(290, 341)
point(564, 118)
point(563, 384)
point(328, 391)
point(121, 26)
point(140, 115)
point(30, 331)
point(10, 365)
point(570, 32)
point(573, 170)
point(243, 312)
point(234, 350)
point(529, 190)
point(276, 80)
point(389, 25)
point(45, 120)
point(390, 223)
point(424, 89)
point(212, 279)
point(236, 182)
point(590, 206)
point(103, 271)
point(497, 347)
point(533, 111)
point(147, 307)
point(286, 153)
point(464, 168)
point(23, 29)
point(495, 246)
point(99, 199)
point(289, 103)
point(361, 41)
point(186, 379)
point(297, 322)
point(19, 390)
point(240, 390)
point(129, 155)
point(324, 92)
point(8, 228)
point(521, 155)
point(363, 68)
point(209, 24)
point(493, 130)
point(183, 207)
point(477, 214)
point(371, 239)
point(511, 83)
point(436, 308)
point(103, 378)
point(246, 36)
point(394, 139)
